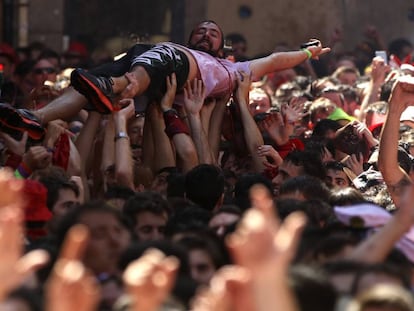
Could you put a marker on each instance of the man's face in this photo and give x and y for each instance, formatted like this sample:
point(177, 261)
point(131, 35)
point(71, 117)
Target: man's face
point(286, 170)
point(337, 179)
point(258, 103)
point(206, 37)
point(108, 240)
point(201, 265)
point(150, 226)
point(348, 78)
point(66, 201)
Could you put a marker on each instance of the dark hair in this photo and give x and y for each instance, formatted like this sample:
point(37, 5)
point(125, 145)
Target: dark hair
point(208, 243)
point(209, 22)
point(54, 178)
point(309, 186)
point(188, 218)
point(312, 289)
point(243, 185)
point(346, 196)
point(149, 201)
point(311, 163)
point(74, 216)
point(115, 191)
point(396, 47)
point(323, 126)
point(175, 185)
point(204, 185)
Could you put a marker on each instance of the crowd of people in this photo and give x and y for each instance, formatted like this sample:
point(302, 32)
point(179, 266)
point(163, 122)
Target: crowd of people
point(196, 178)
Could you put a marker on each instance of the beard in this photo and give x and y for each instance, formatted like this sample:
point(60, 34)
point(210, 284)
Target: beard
point(203, 46)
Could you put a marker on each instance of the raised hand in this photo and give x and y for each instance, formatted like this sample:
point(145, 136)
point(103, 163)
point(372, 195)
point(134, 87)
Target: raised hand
point(18, 147)
point(70, 286)
point(194, 96)
point(37, 157)
point(14, 267)
point(379, 70)
point(354, 163)
point(168, 98)
point(230, 289)
point(294, 111)
point(127, 109)
point(269, 151)
point(149, 280)
point(317, 50)
point(265, 247)
point(273, 125)
point(243, 86)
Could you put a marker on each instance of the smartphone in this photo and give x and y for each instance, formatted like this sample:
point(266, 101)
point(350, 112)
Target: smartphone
point(383, 55)
point(261, 116)
point(308, 44)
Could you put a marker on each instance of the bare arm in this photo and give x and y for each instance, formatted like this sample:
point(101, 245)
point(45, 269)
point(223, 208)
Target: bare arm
point(376, 247)
point(284, 60)
point(216, 121)
point(252, 134)
point(83, 144)
point(163, 155)
point(392, 173)
point(123, 155)
point(194, 95)
point(183, 143)
point(378, 73)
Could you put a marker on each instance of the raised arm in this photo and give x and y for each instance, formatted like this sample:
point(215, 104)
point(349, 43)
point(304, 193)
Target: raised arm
point(123, 155)
point(194, 96)
point(215, 128)
point(402, 95)
point(176, 129)
point(284, 60)
point(379, 71)
point(252, 134)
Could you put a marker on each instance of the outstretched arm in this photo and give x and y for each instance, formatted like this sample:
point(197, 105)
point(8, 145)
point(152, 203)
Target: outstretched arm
point(284, 60)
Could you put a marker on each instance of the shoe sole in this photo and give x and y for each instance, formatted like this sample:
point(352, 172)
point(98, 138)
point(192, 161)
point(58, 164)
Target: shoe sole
point(16, 122)
point(35, 135)
point(83, 88)
point(100, 100)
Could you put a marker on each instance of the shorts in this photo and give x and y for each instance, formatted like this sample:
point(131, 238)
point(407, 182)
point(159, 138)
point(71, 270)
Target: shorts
point(160, 62)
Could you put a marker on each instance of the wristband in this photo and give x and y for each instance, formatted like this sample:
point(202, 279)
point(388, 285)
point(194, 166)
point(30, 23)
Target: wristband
point(23, 170)
point(121, 135)
point(309, 53)
point(173, 124)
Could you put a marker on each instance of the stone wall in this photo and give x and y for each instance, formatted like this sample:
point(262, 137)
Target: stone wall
point(294, 21)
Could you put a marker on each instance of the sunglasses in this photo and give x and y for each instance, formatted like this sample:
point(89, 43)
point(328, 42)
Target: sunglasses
point(45, 70)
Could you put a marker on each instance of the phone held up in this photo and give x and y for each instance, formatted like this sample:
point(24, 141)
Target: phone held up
point(383, 55)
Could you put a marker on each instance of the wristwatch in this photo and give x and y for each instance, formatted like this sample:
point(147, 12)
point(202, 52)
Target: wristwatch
point(121, 135)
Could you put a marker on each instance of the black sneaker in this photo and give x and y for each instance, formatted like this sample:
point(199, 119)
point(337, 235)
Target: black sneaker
point(97, 90)
point(16, 121)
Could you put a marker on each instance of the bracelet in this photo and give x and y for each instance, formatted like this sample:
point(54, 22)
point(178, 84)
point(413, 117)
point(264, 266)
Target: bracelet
point(173, 124)
point(22, 171)
point(121, 135)
point(309, 53)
